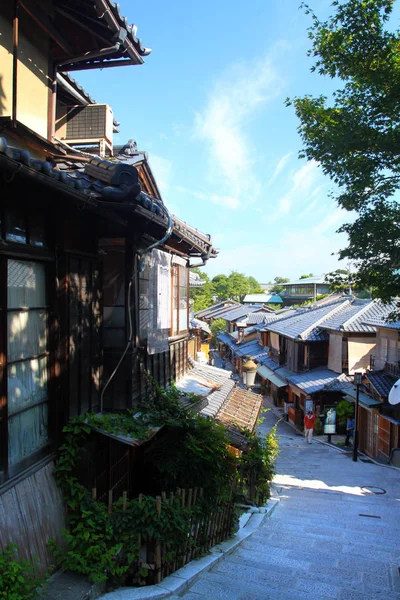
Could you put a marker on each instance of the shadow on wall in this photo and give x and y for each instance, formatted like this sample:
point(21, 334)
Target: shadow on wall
point(2, 97)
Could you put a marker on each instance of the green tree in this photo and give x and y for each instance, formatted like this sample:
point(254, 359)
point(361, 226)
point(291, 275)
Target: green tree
point(239, 286)
point(278, 288)
point(306, 276)
point(355, 135)
point(221, 287)
point(202, 296)
point(254, 286)
point(217, 327)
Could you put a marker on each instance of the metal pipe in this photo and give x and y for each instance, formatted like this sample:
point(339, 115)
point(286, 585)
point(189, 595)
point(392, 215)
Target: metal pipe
point(355, 442)
point(52, 108)
point(15, 62)
point(204, 260)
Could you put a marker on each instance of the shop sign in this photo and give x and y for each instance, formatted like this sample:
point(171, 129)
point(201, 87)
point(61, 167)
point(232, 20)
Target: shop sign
point(330, 421)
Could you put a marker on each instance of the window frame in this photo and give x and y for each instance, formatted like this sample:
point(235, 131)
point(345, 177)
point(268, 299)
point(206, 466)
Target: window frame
point(176, 270)
point(36, 255)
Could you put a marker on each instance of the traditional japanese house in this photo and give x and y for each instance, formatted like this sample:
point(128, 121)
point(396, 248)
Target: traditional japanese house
point(302, 290)
point(94, 268)
point(380, 425)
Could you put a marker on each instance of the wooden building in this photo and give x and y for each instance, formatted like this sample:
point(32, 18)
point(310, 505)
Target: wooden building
point(94, 269)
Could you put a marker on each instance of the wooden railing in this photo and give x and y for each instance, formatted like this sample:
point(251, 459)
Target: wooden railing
point(392, 368)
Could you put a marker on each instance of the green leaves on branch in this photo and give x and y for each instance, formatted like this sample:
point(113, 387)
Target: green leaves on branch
point(355, 135)
point(19, 579)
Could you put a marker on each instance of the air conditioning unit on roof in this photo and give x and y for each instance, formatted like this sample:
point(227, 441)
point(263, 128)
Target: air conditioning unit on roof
point(86, 125)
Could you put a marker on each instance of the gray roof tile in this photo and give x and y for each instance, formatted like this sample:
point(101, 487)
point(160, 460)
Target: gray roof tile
point(313, 381)
point(357, 316)
point(219, 376)
point(240, 312)
point(305, 324)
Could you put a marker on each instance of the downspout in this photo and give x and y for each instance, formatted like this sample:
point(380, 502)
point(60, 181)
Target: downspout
point(89, 56)
point(53, 106)
point(139, 269)
point(204, 260)
point(15, 62)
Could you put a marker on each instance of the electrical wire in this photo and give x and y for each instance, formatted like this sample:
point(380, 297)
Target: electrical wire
point(130, 340)
point(140, 269)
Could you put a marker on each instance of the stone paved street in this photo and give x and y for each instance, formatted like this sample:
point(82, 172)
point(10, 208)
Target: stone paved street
point(327, 539)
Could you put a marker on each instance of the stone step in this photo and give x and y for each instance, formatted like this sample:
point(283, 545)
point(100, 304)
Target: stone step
point(64, 585)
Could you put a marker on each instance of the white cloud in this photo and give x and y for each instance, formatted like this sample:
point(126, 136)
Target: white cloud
point(302, 182)
point(309, 208)
point(297, 252)
point(232, 102)
point(279, 167)
point(226, 201)
point(335, 218)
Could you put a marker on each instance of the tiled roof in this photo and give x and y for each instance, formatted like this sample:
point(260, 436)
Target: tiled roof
point(214, 312)
point(313, 381)
point(268, 362)
point(219, 377)
point(382, 323)
point(305, 325)
point(253, 349)
point(201, 313)
point(256, 317)
point(306, 281)
point(241, 409)
point(198, 324)
point(239, 312)
point(99, 182)
point(356, 316)
point(227, 339)
point(131, 29)
point(195, 280)
point(247, 331)
point(382, 381)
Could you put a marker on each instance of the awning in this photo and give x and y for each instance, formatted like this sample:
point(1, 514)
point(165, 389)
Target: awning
point(266, 373)
point(363, 399)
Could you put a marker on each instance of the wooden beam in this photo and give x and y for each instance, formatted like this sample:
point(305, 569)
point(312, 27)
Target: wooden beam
point(42, 20)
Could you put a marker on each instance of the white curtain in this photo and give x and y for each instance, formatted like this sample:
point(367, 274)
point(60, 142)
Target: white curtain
point(27, 379)
point(159, 302)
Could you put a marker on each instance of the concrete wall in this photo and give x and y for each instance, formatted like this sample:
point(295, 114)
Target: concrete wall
point(33, 70)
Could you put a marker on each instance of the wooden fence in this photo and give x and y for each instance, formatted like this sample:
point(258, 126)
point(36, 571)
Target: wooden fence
point(204, 531)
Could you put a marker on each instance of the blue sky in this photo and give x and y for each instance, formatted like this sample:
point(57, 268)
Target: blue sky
point(208, 107)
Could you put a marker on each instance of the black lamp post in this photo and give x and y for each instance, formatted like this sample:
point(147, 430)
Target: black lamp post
point(357, 381)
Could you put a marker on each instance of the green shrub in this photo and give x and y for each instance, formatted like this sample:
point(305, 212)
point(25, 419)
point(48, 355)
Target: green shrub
point(19, 579)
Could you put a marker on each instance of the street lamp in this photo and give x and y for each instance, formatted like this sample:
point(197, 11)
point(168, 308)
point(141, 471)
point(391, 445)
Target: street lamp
point(357, 382)
point(249, 372)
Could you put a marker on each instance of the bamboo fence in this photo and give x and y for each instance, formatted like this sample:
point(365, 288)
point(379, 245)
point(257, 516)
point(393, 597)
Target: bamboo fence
point(205, 530)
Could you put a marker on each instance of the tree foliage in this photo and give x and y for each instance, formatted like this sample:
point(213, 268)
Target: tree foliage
point(278, 288)
point(216, 327)
point(355, 135)
point(222, 287)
